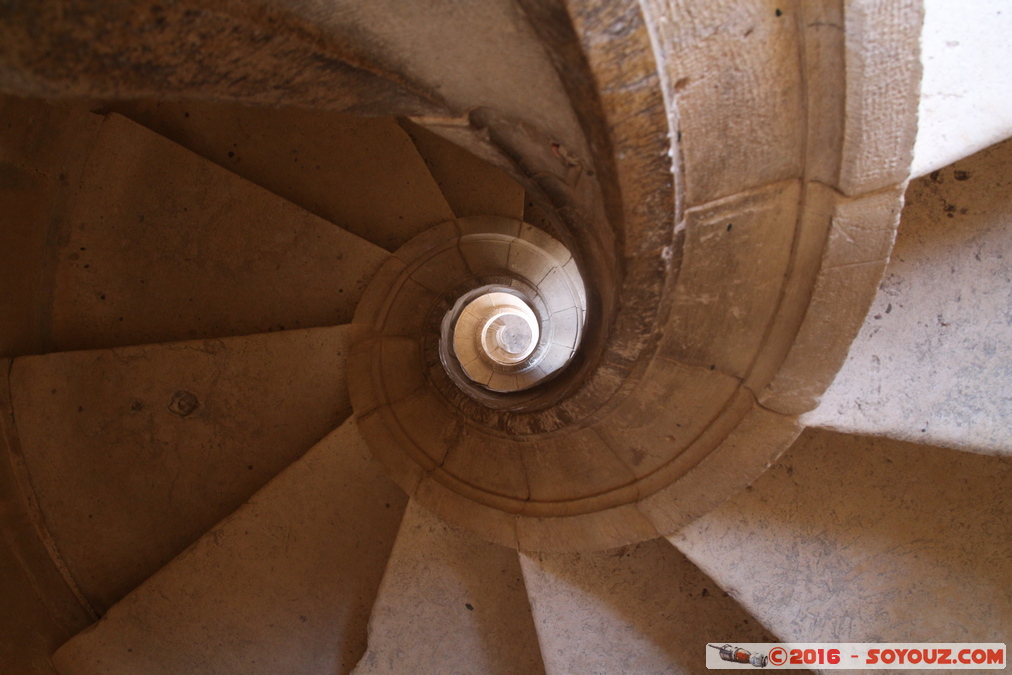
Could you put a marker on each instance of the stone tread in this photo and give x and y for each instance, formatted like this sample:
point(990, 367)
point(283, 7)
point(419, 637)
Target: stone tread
point(283, 585)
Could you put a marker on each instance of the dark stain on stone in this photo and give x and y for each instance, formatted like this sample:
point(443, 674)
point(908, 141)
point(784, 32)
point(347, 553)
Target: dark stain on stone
point(183, 403)
point(638, 455)
point(469, 607)
point(779, 13)
point(961, 175)
point(706, 592)
point(137, 406)
point(936, 176)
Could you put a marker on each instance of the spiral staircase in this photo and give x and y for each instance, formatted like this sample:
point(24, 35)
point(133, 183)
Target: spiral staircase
point(264, 414)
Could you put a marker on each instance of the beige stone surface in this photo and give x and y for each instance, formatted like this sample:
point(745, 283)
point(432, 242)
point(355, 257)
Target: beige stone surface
point(199, 50)
point(41, 610)
point(470, 186)
point(489, 464)
point(450, 603)
point(590, 531)
point(135, 452)
point(827, 295)
point(672, 405)
point(824, 58)
point(284, 585)
point(640, 609)
point(361, 173)
point(735, 261)
point(571, 467)
point(753, 102)
point(165, 245)
point(931, 363)
point(43, 147)
point(486, 56)
point(851, 539)
point(730, 453)
point(964, 90)
point(883, 75)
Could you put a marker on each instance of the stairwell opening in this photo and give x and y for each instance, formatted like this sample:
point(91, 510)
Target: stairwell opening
point(522, 330)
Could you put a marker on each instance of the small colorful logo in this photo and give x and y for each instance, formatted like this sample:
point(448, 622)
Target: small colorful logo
point(857, 656)
point(739, 655)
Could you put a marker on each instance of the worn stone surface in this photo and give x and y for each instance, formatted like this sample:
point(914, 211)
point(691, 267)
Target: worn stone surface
point(731, 452)
point(283, 585)
point(851, 539)
point(753, 102)
point(361, 173)
point(43, 147)
point(471, 186)
point(42, 610)
point(825, 72)
point(842, 252)
point(670, 408)
point(736, 257)
point(932, 361)
point(135, 452)
point(165, 245)
point(263, 55)
point(883, 73)
point(450, 603)
point(964, 89)
point(640, 609)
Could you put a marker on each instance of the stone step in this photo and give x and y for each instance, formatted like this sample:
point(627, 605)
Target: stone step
point(283, 585)
point(851, 539)
point(967, 64)
point(450, 603)
point(165, 245)
point(931, 363)
point(640, 609)
point(471, 186)
point(361, 173)
point(135, 452)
